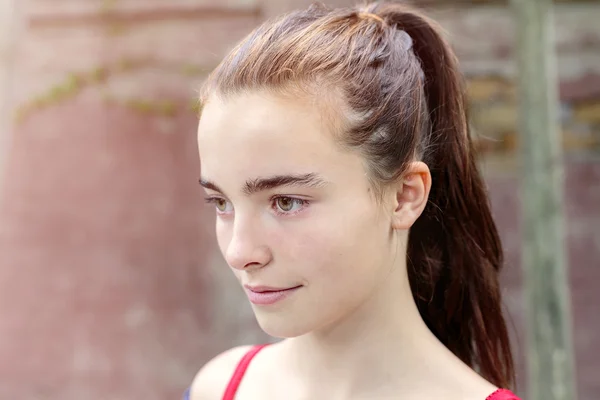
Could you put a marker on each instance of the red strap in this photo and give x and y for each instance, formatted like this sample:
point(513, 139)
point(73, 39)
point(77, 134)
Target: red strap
point(239, 372)
point(502, 394)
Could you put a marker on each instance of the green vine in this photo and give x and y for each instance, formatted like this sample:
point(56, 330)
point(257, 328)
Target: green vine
point(113, 28)
point(165, 108)
point(74, 83)
point(108, 5)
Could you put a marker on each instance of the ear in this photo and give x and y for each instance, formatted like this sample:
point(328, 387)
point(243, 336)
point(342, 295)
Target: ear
point(411, 193)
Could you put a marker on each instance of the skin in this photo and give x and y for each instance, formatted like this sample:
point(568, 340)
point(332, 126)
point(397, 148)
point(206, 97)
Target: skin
point(352, 329)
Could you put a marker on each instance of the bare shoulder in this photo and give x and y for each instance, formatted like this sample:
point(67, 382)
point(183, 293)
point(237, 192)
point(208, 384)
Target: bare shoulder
point(212, 379)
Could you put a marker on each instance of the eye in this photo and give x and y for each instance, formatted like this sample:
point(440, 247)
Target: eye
point(222, 205)
point(288, 204)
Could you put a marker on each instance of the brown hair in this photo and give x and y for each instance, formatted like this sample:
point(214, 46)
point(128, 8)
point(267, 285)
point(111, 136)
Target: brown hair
point(400, 81)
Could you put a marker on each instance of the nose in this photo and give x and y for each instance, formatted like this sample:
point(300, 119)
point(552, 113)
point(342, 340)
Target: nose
point(246, 250)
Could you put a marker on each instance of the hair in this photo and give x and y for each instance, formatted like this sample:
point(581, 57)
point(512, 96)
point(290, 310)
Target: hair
point(405, 100)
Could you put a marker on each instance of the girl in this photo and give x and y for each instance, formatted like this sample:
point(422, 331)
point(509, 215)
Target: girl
point(335, 147)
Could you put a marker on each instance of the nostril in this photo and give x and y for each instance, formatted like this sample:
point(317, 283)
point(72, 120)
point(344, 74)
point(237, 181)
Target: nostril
point(246, 254)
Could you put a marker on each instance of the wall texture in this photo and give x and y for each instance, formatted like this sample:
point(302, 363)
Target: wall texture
point(111, 285)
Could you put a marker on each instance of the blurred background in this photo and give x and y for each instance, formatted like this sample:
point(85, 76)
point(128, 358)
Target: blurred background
point(111, 284)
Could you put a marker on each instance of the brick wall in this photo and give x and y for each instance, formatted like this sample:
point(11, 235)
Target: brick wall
point(110, 277)
point(7, 46)
point(484, 40)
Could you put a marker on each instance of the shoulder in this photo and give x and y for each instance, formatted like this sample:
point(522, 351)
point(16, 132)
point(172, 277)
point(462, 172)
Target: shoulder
point(212, 379)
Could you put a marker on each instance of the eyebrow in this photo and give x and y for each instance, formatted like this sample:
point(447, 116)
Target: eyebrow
point(261, 184)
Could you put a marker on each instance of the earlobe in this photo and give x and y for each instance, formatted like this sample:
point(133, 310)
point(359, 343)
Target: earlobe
point(411, 194)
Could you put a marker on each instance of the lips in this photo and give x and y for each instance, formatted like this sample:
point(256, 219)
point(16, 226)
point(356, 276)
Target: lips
point(266, 295)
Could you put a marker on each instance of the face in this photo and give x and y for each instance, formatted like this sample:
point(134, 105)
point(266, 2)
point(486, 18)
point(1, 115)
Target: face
point(297, 220)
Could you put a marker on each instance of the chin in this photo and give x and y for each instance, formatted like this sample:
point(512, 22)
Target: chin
point(282, 325)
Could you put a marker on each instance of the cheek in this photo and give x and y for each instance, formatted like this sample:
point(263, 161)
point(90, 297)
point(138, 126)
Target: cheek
point(338, 251)
point(342, 264)
point(315, 252)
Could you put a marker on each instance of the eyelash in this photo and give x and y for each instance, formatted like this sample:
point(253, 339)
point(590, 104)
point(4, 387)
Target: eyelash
point(303, 203)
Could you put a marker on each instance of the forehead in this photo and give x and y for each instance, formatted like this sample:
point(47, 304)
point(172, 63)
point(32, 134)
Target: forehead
point(266, 134)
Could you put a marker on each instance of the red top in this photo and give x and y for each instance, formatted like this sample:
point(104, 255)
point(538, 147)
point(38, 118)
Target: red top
point(238, 374)
point(502, 394)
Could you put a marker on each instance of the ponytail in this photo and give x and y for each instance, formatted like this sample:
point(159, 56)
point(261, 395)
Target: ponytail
point(454, 250)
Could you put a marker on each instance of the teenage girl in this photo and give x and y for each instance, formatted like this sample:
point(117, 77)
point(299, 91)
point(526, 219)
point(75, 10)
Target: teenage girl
point(335, 147)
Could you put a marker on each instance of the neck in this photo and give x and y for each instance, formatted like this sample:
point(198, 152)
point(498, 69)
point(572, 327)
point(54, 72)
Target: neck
point(380, 344)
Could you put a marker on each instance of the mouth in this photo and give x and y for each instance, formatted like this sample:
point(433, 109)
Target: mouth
point(266, 295)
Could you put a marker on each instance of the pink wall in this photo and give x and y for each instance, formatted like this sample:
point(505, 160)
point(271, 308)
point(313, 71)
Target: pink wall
point(105, 290)
point(111, 285)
